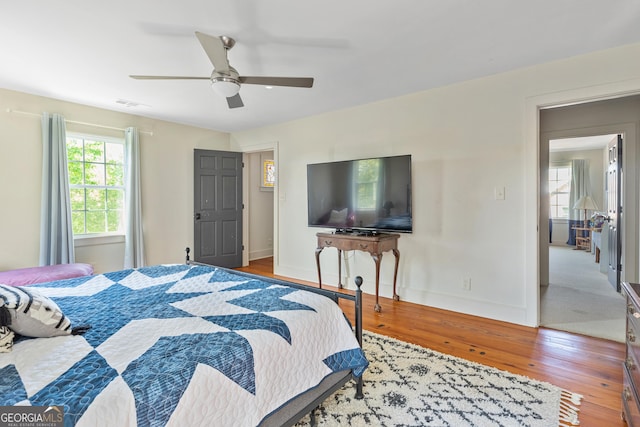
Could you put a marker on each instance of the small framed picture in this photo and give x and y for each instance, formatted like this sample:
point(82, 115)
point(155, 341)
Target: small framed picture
point(268, 173)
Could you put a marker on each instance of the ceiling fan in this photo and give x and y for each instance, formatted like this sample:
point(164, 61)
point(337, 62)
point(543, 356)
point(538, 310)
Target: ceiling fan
point(224, 78)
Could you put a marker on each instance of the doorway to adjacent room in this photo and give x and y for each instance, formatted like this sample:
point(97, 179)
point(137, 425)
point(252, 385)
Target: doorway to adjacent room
point(578, 296)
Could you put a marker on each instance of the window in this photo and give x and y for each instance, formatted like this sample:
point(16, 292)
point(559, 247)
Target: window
point(559, 189)
point(367, 176)
point(96, 184)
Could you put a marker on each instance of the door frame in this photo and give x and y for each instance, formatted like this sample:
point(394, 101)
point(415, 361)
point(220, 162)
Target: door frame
point(246, 150)
point(532, 153)
point(545, 137)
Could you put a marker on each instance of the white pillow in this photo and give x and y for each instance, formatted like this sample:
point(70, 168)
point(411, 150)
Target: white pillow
point(338, 217)
point(32, 314)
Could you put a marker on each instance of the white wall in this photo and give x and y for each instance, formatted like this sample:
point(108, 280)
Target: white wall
point(166, 180)
point(466, 140)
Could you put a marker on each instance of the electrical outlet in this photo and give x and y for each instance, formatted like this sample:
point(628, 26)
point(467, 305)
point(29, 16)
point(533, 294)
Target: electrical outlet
point(466, 284)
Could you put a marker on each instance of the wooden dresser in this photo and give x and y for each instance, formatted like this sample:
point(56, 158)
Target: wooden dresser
point(631, 366)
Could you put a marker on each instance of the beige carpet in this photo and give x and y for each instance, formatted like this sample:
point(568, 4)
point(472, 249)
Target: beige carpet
point(579, 297)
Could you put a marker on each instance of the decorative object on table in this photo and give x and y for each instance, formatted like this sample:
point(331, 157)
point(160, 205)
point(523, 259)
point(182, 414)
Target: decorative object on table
point(406, 384)
point(585, 203)
point(597, 220)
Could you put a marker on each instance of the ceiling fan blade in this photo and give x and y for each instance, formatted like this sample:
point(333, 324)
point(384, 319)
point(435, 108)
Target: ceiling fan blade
point(277, 81)
point(235, 101)
point(168, 78)
point(215, 50)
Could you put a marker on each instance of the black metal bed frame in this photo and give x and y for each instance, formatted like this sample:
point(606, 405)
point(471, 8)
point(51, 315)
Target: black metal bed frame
point(308, 402)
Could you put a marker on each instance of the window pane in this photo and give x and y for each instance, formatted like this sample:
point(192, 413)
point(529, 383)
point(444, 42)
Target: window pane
point(75, 173)
point(559, 189)
point(77, 199)
point(115, 175)
point(94, 174)
point(96, 199)
point(564, 174)
point(563, 199)
point(114, 220)
point(74, 149)
point(114, 153)
point(93, 151)
point(115, 199)
point(77, 221)
point(96, 222)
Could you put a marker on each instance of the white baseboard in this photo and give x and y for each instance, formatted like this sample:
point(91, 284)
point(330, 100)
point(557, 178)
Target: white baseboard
point(264, 253)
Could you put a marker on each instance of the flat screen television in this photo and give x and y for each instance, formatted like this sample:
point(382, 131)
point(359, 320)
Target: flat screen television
point(368, 195)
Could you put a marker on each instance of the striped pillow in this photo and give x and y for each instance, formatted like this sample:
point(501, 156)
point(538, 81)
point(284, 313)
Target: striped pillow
point(27, 312)
point(6, 339)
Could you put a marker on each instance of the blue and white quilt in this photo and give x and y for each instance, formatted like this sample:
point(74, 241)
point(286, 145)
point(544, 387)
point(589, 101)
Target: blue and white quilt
point(179, 345)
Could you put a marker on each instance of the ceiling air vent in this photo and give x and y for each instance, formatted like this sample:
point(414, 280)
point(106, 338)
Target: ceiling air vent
point(128, 103)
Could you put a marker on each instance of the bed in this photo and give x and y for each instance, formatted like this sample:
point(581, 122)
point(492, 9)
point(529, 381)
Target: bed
point(183, 344)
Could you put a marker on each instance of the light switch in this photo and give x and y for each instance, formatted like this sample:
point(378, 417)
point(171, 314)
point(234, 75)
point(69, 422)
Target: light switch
point(499, 193)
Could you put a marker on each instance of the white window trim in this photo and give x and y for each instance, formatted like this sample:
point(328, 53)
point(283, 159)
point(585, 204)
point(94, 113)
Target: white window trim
point(559, 164)
point(82, 240)
point(91, 239)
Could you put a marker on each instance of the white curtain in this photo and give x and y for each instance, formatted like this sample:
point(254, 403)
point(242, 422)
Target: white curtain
point(580, 186)
point(134, 243)
point(56, 232)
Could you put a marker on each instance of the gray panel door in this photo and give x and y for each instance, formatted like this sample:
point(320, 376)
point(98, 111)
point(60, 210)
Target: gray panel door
point(218, 208)
point(614, 211)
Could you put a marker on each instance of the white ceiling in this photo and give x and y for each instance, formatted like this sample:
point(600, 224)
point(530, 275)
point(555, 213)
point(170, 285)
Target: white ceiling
point(358, 51)
point(580, 143)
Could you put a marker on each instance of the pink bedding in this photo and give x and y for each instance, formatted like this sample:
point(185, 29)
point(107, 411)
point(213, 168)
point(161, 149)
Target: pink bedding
point(47, 273)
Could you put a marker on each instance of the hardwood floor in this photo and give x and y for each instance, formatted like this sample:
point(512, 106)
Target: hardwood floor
point(588, 366)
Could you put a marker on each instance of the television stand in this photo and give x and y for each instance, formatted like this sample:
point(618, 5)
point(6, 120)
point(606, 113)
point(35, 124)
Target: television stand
point(375, 244)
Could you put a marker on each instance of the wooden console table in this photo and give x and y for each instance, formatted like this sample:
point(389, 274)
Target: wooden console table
point(374, 244)
point(583, 238)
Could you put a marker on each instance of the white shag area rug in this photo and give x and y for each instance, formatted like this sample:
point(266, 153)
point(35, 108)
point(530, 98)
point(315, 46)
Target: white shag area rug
point(407, 385)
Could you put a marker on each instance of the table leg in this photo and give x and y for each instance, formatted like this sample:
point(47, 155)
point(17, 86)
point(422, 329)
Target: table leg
point(377, 258)
point(318, 250)
point(396, 253)
point(339, 268)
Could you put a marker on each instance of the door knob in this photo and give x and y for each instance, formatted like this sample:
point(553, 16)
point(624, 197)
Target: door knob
point(197, 216)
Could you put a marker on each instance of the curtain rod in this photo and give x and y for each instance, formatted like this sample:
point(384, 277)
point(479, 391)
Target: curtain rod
point(9, 110)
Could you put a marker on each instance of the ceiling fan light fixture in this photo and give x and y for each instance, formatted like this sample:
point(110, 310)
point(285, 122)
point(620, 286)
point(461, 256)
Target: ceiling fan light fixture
point(225, 86)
